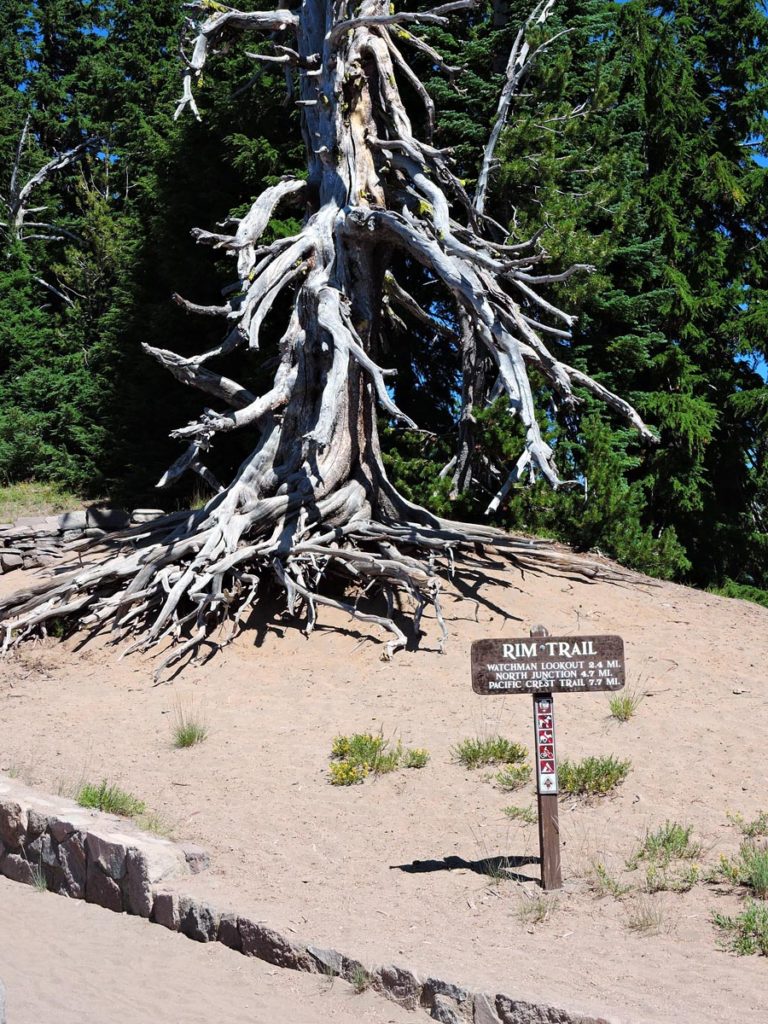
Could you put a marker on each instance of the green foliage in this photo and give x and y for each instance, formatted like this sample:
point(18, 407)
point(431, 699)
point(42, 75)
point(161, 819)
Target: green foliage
point(749, 868)
point(662, 851)
point(355, 757)
point(188, 729)
point(671, 841)
point(109, 798)
point(592, 776)
point(477, 752)
point(417, 757)
point(743, 592)
point(512, 776)
point(747, 932)
point(624, 705)
point(754, 829)
point(526, 815)
point(34, 499)
point(605, 884)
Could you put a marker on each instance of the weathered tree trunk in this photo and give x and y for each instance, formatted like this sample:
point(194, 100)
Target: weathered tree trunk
point(313, 500)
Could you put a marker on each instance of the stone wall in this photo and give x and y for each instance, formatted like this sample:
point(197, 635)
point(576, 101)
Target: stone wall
point(34, 541)
point(52, 843)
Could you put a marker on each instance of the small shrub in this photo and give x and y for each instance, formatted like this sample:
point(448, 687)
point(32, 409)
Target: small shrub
point(750, 869)
point(525, 814)
point(670, 842)
point(662, 850)
point(659, 878)
point(111, 799)
point(416, 758)
point(344, 773)
point(513, 776)
point(188, 728)
point(751, 829)
point(748, 932)
point(605, 884)
point(593, 776)
point(355, 757)
point(624, 705)
point(476, 752)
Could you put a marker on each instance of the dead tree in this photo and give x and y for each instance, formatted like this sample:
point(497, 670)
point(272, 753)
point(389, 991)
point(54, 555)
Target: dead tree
point(312, 502)
point(23, 223)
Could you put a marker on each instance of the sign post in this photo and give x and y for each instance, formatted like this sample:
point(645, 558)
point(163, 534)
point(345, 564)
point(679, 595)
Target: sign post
point(542, 665)
point(546, 784)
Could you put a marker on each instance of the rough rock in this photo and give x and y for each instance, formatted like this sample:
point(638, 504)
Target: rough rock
point(198, 920)
point(108, 853)
point(13, 823)
point(512, 1011)
point(73, 521)
point(328, 961)
point(229, 933)
point(17, 869)
point(101, 889)
point(10, 560)
point(72, 862)
point(484, 1011)
point(447, 1011)
point(398, 984)
point(107, 518)
point(260, 941)
point(436, 986)
point(137, 887)
point(36, 824)
point(146, 515)
point(165, 910)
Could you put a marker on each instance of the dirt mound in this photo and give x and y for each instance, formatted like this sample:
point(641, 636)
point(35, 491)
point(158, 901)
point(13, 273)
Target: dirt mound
point(397, 868)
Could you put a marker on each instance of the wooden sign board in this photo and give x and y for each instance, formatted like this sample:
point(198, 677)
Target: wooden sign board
point(548, 664)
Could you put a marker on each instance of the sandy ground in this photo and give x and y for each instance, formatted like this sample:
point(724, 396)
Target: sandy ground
point(68, 961)
point(387, 871)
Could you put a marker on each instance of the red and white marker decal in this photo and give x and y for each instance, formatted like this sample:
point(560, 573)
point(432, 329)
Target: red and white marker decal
point(546, 762)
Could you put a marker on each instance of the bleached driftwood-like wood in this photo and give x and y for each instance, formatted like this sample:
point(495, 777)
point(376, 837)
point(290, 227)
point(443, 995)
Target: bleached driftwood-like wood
point(312, 501)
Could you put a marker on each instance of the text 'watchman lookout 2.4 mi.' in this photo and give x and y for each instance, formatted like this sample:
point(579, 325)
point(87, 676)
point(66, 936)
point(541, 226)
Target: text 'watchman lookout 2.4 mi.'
point(548, 664)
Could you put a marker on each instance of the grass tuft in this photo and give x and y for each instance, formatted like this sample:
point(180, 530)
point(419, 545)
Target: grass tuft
point(189, 728)
point(476, 752)
point(536, 909)
point(593, 776)
point(746, 933)
point(110, 798)
point(624, 705)
point(646, 917)
point(360, 979)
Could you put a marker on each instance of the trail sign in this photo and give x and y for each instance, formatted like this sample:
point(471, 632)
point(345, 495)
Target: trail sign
point(548, 664)
point(542, 665)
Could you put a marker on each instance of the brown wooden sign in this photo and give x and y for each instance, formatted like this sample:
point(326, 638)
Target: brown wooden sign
point(548, 664)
